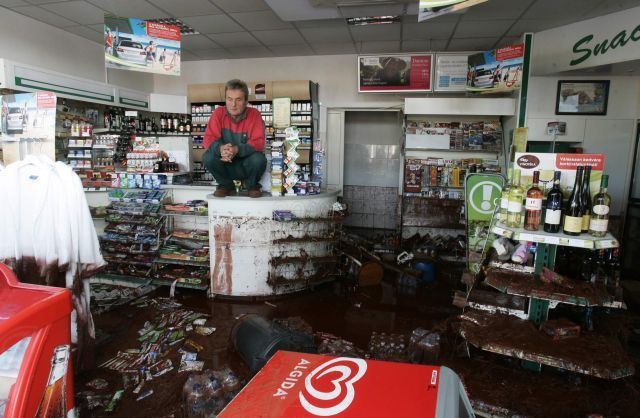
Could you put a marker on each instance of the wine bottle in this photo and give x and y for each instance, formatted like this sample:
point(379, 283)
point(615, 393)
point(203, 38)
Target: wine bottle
point(586, 199)
point(553, 208)
point(176, 122)
point(572, 224)
point(504, 200)
point(187, 126)
point(163, 123)
point(181, 125)
point(600, 211)
point(169, 123)
point(533, 205)
point(516, 194)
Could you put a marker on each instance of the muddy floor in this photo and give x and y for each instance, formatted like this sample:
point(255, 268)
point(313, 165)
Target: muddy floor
point(495, 384)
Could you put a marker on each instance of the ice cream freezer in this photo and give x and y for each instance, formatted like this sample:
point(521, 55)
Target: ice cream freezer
point(35, 336)
point(310, 385)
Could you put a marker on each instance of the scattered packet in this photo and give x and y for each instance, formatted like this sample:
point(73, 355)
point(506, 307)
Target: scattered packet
point(191, 366)
point(98, 384)
point(111, 406)
point(145, 394)
point(194, 344)
point(205, 330)
point(189, 356)
point(199, 322)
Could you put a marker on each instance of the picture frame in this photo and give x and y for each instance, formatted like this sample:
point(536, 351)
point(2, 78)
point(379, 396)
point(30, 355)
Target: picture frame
point(582, 97)
point(395, 73)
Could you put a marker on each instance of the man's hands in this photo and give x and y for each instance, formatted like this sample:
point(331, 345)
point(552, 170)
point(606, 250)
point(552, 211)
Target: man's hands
point(227, 152)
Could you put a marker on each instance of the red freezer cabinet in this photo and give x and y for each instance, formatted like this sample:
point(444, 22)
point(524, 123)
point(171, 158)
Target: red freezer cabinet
point(36, 378)
point(300, 385)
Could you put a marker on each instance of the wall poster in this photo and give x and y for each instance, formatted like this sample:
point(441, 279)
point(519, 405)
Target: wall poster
point(497, 70)
point(141, 45)
point(451, 72)
point(394, 73)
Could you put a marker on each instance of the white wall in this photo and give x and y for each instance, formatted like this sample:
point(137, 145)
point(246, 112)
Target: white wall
point(612, 134)
point(28, 41)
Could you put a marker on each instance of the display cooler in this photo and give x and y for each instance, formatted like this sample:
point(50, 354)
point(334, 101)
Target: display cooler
point(35, 338)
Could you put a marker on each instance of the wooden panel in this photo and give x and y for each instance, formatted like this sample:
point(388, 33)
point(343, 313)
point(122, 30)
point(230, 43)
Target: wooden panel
point(210, 92)
point(296, 89)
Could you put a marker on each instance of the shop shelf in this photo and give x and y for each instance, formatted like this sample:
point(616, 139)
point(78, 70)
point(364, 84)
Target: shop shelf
point(485, 151)
point(590, 353)
point(180, 284)
point(580, 241)
point(579, 293)
point(161, 260)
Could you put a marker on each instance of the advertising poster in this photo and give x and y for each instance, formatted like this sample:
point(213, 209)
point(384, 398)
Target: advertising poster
point(496, 71)
point(547, 163)
point(140, 45)
point(28, 118)
point(451, 72)
point(394, 73)
point(428, 9)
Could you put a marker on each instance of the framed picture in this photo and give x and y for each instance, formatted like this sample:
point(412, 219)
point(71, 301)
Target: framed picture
point(582, 97)
point(394, 73)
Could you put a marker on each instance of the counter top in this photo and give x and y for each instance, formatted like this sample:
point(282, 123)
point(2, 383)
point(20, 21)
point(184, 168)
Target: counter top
point(243, 196)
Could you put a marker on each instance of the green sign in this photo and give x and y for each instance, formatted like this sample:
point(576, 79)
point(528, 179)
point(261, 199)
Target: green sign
point(482, 196)
point(483, 193)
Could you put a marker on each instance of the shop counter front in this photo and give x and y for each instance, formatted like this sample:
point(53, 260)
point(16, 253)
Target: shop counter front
point(257, 254)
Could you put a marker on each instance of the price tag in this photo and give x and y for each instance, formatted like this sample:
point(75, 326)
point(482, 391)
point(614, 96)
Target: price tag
point(502, 232)
point(563, 241)
point(552, 240)
point(578, 243)
point(527, 237)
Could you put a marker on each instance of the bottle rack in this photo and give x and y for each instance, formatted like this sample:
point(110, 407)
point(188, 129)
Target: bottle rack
point(589, 353)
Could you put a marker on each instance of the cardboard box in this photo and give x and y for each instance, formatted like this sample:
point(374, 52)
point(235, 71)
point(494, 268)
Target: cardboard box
point(309, 385)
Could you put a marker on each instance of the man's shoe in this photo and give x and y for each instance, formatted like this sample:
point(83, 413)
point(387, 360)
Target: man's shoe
point(221, 192)
point(255, 193)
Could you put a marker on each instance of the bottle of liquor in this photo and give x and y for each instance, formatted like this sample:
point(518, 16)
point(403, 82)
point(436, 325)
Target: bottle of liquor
point(516, 194)
point(533, 205)
point(553, 208)
point(504, 200)
point(187, 126)
point(154, 126)
point(572, 224)
point(600, 211)
point(147, 125)
point(169, 123)
point(181, 126)
point(163, 123)
point(586, 199)
point(176, 122)
point(54, 400)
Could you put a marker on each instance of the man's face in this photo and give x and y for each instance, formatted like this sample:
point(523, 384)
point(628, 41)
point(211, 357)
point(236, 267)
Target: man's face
point(236, 102)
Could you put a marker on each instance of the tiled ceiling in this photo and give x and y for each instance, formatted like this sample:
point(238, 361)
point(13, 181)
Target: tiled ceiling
point(272, 28)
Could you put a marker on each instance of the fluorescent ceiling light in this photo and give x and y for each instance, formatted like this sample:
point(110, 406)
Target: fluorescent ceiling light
point(428, 9)
point(372, 20)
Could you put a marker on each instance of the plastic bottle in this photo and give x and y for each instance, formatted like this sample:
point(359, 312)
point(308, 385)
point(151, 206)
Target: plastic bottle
point(196, 401)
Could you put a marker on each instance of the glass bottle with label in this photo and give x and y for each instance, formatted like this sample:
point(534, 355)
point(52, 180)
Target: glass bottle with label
point(600, 210)
point(176, 122)
point(572, 224)
point(586, 199)
point(553, 208)
point(163, 123)
point(504, 200)
point(533, 205)
point(54, 399)
point(514, 208)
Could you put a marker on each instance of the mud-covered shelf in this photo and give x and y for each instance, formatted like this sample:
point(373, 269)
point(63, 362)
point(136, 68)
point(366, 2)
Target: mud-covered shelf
point(161, 260)
point(167, 282)
point(580, 241)
point(578, 293)
point(590, 354)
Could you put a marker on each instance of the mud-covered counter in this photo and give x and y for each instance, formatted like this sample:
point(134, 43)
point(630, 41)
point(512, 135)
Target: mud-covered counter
point(255, 255)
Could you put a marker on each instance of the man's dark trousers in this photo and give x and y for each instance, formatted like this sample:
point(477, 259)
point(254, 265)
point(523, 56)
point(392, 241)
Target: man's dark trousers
point(248, 169)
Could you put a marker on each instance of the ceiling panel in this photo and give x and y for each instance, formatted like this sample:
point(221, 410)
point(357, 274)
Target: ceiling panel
point(291, 50)
point(45, 16)
point(13, 3)
point(86, 33)
point(38, 2)
point(232, 6)
point(212, 24)
point(482, 28)
point(212, 54)
point(426, 30)
point(188, 56)
point(323, 23)
point(535, 25)
point(279, 37)
point(78, 11)
point(233, 40)
point(543, 9)
point(326, 35)
point(449, 17)
point(471, 44)
point(260, 20)
point(378, 47)
point(187, 7)
point(611, 6)
point(497, 9)
point(140, 9)
point(372, 10)
point(251, 52)
point(99, 27)
point(193, 42)
point(430, 45)
point(388, 32)
point(334, 48)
